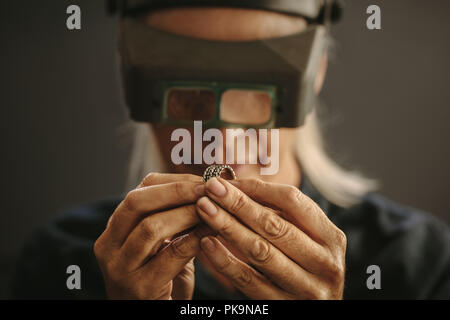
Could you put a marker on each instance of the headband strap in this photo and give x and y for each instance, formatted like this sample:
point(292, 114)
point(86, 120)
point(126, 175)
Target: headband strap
point(312, 10)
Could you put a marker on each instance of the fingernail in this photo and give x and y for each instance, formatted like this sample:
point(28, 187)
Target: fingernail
point(200, 190)
point(206, 205)
point(208, 245)
point(216, 187)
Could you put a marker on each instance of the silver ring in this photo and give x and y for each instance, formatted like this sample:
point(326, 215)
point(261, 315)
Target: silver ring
point(216, 171)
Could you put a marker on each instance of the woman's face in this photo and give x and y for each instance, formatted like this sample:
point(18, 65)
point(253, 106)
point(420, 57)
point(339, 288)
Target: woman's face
point(225, 24)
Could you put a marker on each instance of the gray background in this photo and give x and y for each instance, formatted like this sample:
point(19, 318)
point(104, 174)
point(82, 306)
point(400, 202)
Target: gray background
point(63, 125)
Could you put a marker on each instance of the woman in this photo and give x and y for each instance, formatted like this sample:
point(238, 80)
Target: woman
point(306, 232)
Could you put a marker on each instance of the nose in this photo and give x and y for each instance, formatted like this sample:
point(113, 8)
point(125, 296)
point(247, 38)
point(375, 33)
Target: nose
point(242, 152)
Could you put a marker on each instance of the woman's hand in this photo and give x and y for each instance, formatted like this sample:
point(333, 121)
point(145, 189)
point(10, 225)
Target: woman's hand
point(293, 250)
point(135, 254)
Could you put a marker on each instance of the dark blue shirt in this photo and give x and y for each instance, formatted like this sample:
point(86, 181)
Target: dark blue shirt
point(411, 248)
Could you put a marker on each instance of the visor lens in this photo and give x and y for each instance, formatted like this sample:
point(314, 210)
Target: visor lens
point(246, 107)
point(191, 104)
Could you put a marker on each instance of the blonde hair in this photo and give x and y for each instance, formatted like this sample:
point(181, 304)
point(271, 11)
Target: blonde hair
point(341, 187)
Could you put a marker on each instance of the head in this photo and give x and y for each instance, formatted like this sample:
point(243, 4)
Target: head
point(229, 24)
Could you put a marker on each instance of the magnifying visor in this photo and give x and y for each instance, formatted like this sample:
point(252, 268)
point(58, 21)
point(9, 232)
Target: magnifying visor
point(219, 104)
point(267, 83)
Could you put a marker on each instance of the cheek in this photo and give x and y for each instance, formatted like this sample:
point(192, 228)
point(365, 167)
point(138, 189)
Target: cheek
point(287, 139)
point(162, 136)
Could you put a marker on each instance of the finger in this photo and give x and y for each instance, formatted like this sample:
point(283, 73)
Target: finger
point(243, 277)
point(141, 202)
point(155, 178)
point(296, 207)
point(169, 262)
point(183, 283)
point(260, 253)
point(148, 236)
point(292, 241)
